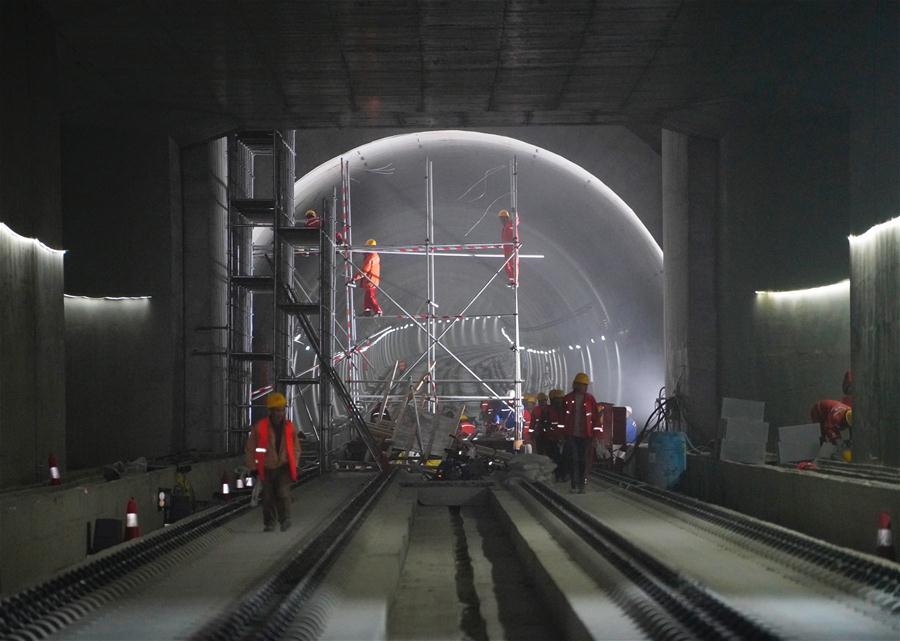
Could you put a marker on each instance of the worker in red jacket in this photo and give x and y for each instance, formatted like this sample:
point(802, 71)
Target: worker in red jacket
point(370, 275)
point(582, 426)
point(273, 449)
point(536, 425)
point(528, 404)
point(313, 221)
point(509, 236)
point(834, 418)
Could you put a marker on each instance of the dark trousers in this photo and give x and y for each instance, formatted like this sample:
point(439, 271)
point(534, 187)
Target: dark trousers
point(276, 495)
point(579, 448)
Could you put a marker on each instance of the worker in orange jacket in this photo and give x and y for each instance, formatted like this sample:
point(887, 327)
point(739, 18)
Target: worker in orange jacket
point(582, 426)
point(370, 275)
point(509, 236)
point(273, 450)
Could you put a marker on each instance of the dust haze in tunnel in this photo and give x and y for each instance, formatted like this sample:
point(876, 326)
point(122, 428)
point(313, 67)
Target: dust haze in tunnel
point(593, 303)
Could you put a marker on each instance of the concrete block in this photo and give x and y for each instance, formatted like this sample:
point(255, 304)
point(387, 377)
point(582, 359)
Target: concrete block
point(798, 442)
point(741, 451)
point(750, 431)
point(740, 408)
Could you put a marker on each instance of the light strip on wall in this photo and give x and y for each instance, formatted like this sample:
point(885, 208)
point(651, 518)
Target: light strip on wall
point(19, 237)
point(109, 298)
point(875, 230)
point(812, 292)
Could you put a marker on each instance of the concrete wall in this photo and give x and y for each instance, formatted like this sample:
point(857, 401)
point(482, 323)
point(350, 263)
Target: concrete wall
point(45, 529)
point(875, 309)
point(205, 187)
point(122, 198)
point(29, 137)
point(840, 511)
point(32, 390)
point(803, 350)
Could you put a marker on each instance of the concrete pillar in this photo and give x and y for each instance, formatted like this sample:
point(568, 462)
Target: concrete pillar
point(690, 199)
point(875, 343)
point(205, 188)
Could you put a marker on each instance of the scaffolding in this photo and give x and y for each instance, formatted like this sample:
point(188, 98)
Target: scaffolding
point(427, 322)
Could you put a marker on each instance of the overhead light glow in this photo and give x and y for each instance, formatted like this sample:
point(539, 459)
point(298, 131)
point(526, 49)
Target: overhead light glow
point(603, 338)
point(875, 230)
point(24, 239)
point(109, 298)
point(812, 292)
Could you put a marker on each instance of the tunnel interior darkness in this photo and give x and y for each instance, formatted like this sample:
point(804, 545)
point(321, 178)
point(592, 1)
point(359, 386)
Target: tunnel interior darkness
point(592, 302)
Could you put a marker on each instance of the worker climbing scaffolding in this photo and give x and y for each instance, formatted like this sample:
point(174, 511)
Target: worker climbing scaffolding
point(509, 236)
point(370, 277)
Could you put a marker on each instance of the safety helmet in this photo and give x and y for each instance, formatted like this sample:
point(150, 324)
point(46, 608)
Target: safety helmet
point(530, 398)
point(556, 393)
point(503, 213)
point(276, 401)
point(464, 418)
point(371, 242)
point(582, 378)
point(541, 396)
point(311, 213)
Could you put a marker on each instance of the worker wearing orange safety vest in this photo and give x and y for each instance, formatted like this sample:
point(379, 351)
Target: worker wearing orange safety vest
point(509, 236)
point(370, 275)
point(582, 425)
point(273, 449)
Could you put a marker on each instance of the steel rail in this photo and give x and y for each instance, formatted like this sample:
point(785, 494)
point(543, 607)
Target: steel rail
point(268, 610)
point(880, 580)
point(43, 610)
point(691, 610)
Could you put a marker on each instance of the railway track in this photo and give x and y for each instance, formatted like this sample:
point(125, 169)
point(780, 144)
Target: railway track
point(879, 582)
point(677, 609)
point(267, 611)
point(859, 471)
point(43, 610)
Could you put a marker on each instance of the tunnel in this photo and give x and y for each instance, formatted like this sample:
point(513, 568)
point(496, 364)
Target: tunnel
point(590, 291)
point(420, 320)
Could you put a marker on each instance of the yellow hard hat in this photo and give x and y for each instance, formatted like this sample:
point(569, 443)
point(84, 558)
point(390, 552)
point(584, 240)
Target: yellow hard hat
point(464, 418)
point(847, 455)
point(310, 213)
point(541, 396)
point(556, 393)
point(582, 378)
point(849, 417)
point(503, 213)
point(276, 401)
point(371, 242)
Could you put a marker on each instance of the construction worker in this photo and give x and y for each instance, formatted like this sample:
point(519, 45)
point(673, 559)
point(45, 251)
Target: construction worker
point(537, 427)
point(582, 426)
point(273, 450)
point(370, 275)
point(313, 221)
point(528, 403)
point(835, 422)
point(509, 236)
point(466, 429)
point(553, 432)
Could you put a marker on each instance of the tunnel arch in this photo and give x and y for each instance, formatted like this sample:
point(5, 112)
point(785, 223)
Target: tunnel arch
point(598, 287)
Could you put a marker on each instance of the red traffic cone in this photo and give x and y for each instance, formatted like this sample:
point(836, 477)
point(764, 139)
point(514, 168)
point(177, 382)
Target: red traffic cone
point(53, 464)
point(884, 546)
point(132, 529)
point(226, 488)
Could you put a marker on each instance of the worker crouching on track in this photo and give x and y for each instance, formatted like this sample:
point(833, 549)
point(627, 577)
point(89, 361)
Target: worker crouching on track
point(370, 275)
point(835, 421)
point(273, 450)
point(582, 425)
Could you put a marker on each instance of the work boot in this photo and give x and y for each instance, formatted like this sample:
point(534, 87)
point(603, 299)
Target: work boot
point(285, 525)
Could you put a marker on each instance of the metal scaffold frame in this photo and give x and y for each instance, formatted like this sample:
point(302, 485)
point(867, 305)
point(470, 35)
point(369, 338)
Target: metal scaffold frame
point(427, 322)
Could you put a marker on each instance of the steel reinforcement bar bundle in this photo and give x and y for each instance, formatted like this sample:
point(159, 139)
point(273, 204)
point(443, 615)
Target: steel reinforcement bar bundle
point(267, 611)
point(881, 582)
point(43, 610)
point(677, 609)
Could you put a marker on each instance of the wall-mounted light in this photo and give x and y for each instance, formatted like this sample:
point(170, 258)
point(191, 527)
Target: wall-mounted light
point(110, 298)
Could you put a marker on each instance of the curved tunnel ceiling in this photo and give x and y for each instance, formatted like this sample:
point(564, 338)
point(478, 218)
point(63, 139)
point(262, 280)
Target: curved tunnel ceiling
point(598, 287)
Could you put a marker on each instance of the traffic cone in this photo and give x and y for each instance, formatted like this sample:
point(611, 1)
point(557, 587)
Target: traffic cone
point(132, 529)
point(53, 464)
point(885, 542)
point(226, 488)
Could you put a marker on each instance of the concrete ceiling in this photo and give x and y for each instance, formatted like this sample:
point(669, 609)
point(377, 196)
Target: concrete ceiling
point(207, 66)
